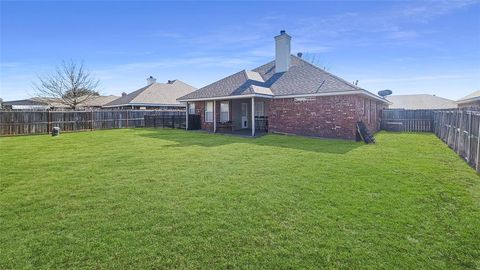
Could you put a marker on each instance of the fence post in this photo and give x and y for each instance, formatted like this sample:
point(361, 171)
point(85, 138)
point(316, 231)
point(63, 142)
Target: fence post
point(459, 123)
point(469, 128)
point(91, 120)
point(478, 147)
point(49, 121)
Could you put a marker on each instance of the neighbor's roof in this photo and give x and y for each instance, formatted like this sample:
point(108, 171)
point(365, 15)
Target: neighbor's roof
point(420, 101)
point(25, 102)
point(302, 78)
point(36, 102)
point(471, 97)
point(157, 94)
point(98, 101)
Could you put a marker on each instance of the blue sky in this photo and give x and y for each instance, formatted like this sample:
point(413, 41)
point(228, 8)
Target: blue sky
point(408, 47)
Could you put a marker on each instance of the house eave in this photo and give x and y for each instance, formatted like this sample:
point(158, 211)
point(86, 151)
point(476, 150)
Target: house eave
point(145, 105)
point(338, 93)
point(463, 101)
point(355, 92)
point(225, 97)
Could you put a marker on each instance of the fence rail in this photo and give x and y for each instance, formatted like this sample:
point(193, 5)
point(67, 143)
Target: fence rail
point(165, 121)
point(407, 120)
point(41, 122)
point(460, 130)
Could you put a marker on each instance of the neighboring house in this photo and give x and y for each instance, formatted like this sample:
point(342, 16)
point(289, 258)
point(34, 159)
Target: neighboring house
point(33, 104)
point(158, 96)
point(471, 101)
point(93, 102)
point(288, 95)
point(420, 101)
point(97, 102)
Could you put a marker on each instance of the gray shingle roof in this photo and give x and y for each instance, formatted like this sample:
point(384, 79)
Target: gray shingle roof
point(98, 101)
point(420, 101)
point(155, 94)
point(471, 97)
point(301, 78)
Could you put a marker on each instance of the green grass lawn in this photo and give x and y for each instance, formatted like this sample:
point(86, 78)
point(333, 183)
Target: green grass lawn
point(144, 198)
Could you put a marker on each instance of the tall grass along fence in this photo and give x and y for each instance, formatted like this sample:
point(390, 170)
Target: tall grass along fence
point(460, 130)
point(41, 122)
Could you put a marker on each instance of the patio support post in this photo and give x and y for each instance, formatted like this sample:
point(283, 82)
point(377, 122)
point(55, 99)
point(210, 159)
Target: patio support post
point(186, 117)
point(214, 117)
point(253, 116)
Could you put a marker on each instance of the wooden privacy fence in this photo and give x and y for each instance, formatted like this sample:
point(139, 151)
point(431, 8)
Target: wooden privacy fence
point(407, 120)
point(460, 130)
point(41, 122)
point(166, 120)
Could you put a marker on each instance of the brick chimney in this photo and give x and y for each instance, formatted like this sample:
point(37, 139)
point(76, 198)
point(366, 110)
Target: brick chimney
point(282, 52)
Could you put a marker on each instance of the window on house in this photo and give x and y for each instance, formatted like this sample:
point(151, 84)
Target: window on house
point(224, 111)
point(209, 111)
point(259, 109)
point(191, 108)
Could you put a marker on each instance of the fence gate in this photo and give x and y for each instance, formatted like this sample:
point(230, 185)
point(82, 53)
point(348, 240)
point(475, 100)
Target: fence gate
point(407, 120)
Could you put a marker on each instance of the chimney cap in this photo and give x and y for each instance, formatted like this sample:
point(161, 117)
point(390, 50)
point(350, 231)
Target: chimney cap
point(282, 32)
point(151, 80)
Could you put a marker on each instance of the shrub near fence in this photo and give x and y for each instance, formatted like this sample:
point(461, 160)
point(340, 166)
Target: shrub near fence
point(460, 130)
point(41, 122)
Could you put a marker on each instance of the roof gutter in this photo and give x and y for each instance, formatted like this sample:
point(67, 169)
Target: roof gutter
point(356, 92)
point(226, 97)
point(473, 99)
point(146, 105)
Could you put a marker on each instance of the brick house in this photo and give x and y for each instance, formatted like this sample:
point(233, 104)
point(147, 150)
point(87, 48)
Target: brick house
point(288, 95)
point(470, 102)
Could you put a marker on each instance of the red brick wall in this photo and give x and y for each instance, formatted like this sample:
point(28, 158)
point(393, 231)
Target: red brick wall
point(200, 110)
point(329, 116)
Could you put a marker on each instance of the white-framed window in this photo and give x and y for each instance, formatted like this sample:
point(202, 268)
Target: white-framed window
point(191, 108)
point(209, 111)
point(224, 111)
point(259, 109)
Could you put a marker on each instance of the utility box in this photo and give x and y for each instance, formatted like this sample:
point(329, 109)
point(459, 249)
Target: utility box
point(55, 131)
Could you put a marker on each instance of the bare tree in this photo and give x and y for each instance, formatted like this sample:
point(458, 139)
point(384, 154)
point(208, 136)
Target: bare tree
point(71, 84)
point(1, 101)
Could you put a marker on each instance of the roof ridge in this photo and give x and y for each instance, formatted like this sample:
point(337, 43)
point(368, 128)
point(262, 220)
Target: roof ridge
point(330, 74)
point(182, 82)
point(338, 78)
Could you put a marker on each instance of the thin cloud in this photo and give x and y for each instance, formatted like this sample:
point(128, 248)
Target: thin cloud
point(419, 78)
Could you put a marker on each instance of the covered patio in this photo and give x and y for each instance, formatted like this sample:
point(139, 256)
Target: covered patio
point(244, 116)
